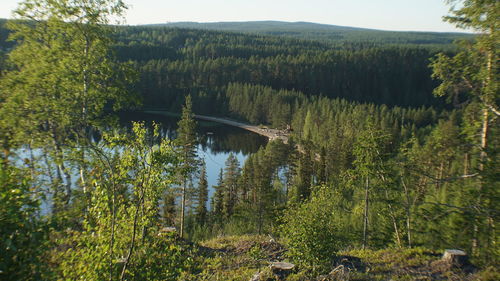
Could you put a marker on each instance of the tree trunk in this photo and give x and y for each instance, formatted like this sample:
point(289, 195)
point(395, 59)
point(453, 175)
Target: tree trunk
point(32, 164)
point(484, 139)
point(59, 154)
point(466, 163)
point(408, 212)
point(482, 159)
point(84, 113)
point(393, 217)
point(440, 175)
point(67, 184)
point(132, 244)
point(487, 99)
point(183, 207)
point(365, 215)
point(394, 223)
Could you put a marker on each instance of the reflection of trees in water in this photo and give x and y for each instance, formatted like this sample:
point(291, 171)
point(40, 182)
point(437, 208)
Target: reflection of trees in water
point(218, 138)
point(244, 142)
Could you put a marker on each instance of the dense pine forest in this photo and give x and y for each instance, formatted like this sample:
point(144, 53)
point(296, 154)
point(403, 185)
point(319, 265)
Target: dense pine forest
point(391, 151)
point(325, 32)
point(174, 62)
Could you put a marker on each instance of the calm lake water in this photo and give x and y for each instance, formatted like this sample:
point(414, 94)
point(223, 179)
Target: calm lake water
point(216, 141)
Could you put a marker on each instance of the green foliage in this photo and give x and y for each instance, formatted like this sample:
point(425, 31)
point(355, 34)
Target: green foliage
point(230, 181)
point(166, 258)
point(186, 145)
point(62, 74)
point(258, 191)
point(205, 63)
point(121, 235)
point(471, 77)
point(313, 231)
point(22, 233)
point(403, 176)
point(303, 174)
point(60, 77)
point(186, 138)
point(262, 105)
point(489, 274)
point(218, 200)
point(323, 32)
point(201, 208)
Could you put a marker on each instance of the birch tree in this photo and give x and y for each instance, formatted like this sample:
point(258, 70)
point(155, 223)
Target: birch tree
point(470, 79)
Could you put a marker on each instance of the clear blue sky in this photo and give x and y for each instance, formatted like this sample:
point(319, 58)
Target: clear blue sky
point(414, 15)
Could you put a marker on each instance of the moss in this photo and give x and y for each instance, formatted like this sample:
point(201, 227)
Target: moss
point(491, 273)
point(241, 257)
point(238, 258)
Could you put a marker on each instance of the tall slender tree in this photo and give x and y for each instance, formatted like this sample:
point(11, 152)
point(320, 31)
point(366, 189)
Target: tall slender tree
point(218, 199)
point(186, 143)
point(231, 176)
point(303, 172)
point(368, 165)
point(201, 208)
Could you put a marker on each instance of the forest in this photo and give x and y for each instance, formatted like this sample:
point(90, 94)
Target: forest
point(391, 158)
point(326, 33)
point(175, 62)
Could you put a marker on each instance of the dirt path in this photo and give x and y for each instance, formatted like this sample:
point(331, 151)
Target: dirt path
point(271, 134)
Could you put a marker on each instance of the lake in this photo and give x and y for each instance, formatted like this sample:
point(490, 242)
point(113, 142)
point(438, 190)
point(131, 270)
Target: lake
point(216, 141)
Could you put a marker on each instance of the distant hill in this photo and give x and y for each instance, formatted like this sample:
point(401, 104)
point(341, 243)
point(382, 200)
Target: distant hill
point(325, 32)
point(311, 31)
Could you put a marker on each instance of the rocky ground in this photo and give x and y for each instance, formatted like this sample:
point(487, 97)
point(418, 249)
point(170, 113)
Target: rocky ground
point(255, 258)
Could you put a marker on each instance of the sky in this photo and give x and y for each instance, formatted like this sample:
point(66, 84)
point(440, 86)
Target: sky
point(399, 15)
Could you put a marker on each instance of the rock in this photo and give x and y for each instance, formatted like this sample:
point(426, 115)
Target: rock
point(167, 230)
point(453, 260)
point(340, 272)
point(349, 263)
point(282, 269)
point(285, 266)
point(456, 258)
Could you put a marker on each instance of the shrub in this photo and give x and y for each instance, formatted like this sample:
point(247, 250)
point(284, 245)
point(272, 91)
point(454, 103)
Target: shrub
point(313, 231)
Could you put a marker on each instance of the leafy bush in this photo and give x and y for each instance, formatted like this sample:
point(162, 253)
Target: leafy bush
point(313, 231)
point(119, 236)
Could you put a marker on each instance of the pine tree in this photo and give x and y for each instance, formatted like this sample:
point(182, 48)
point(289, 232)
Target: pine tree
point(218, 199)
point(368, 165)
point(263, 174)
point(303, 172)
point(247, 179)
point(231, 176)
point(187, 145)
point(201, 209)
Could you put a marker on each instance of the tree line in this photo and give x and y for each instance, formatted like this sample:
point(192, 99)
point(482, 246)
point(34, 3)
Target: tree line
point(392, 75)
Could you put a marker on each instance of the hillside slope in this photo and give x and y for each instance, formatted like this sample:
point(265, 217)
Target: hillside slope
point(325, 32)
point(249, 257)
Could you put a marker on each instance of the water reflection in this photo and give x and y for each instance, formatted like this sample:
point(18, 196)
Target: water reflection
point(212, 137)
point(216, 140)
